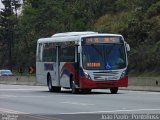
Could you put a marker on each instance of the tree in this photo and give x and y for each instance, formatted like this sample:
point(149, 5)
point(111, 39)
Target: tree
point(138, 21)
point(7, 26)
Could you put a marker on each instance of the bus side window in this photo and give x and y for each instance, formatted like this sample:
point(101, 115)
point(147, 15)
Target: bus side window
point(67, 54)
point(49, 52)
point(39, 52)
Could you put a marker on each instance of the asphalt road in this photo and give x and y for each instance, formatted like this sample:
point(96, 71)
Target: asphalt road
point(35, 102)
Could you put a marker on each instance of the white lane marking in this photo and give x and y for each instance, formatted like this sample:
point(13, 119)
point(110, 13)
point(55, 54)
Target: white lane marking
point(39, 117)
point(32, 96)
point(76, 103)
point(112, 111)
point(140, 93)
point(13, 96)
point(22, 89)
point(6, 96)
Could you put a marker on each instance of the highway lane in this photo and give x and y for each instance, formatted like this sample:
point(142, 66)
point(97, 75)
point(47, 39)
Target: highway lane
point(16, 99)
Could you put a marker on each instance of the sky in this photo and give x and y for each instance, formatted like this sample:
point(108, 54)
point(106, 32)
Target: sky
point(1, 5)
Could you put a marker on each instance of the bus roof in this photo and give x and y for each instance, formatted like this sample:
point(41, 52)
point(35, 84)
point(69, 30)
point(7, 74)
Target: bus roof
point(72, 36)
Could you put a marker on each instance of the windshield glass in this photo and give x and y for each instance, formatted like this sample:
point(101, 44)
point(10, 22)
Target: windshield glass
point(108, 56)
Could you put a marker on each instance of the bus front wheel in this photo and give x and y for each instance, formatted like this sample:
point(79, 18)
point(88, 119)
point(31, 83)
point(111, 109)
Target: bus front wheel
point(114, 90)
point(86, 91)
point(73, 87)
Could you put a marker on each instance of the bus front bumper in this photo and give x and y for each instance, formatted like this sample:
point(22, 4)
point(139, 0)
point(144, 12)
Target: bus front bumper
point(85, 83)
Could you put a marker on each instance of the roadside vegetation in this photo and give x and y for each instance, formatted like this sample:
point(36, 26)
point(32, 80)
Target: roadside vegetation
point(137, 20)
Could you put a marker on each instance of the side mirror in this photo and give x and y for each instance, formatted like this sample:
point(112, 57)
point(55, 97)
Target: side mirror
point(128, 47)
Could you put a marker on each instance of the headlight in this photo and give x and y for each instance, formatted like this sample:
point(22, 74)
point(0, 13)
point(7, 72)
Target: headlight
point(123, 74)
point(87, 75)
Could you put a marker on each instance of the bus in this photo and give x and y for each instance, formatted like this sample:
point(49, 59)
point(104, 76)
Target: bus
point(82, 61)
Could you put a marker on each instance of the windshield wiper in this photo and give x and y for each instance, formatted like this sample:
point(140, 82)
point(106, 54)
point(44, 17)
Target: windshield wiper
point(106, 57)
point(98, 51)
point(110, 50)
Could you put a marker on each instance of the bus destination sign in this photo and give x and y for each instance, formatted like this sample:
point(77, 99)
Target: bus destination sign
point(106, 39)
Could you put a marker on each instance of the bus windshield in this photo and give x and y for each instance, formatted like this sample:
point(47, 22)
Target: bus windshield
point(108, 56)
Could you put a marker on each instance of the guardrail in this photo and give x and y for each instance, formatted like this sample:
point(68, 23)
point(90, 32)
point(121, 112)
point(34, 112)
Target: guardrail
point(144, 81)
point(19, 80)
point(31, 80)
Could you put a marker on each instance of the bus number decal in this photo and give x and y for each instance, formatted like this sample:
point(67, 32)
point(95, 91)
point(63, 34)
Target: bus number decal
point(48, 66)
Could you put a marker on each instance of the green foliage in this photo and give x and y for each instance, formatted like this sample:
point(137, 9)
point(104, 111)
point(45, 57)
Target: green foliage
point(153, 10)
point(7, 22)
point(116, 23)
point(45, 18)
point(137, 20)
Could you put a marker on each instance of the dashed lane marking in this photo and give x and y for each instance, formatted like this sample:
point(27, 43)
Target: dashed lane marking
point(76, 103)
point(22, 89)
point(20, 96)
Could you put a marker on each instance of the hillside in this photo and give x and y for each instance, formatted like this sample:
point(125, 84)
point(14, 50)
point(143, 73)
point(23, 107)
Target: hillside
point(137, 20)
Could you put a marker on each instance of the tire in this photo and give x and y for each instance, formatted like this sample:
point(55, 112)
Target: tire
point(114, 90)
point(50, 87)
point(56, 89)
point(73, 87)
point(49, 83)
point(86, 91)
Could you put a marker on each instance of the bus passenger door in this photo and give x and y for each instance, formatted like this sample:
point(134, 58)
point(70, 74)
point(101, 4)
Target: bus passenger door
point(56, 81)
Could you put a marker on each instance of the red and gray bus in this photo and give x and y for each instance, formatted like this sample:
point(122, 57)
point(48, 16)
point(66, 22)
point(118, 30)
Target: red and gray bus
point(82, 61)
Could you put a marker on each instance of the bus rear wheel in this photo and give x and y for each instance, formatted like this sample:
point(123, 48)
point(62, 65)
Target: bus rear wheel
point(50, 87)
point(114, 90)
